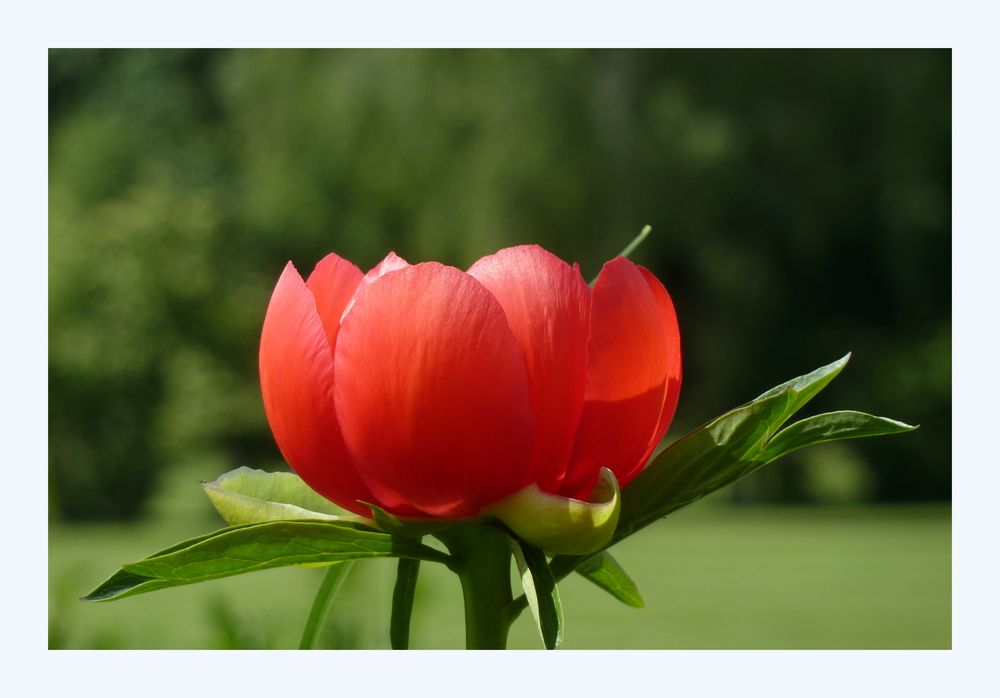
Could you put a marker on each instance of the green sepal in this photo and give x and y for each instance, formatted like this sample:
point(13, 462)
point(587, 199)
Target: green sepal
point(411, 527)
point(245, 496)
point(252, 547)
point(562, 525)
point(541, 591)
point(605, 571)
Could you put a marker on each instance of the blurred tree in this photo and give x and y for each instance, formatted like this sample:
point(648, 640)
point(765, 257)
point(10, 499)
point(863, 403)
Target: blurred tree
point(800, 200)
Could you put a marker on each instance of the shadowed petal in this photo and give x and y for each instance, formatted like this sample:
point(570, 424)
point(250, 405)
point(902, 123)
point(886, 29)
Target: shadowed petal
point(333, 283)
point(296, 377)
point(432, 393)
point(627, 369)
point(673, 388)
point(547, 305)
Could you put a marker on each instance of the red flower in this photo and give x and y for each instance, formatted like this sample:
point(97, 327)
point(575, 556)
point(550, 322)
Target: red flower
point(435, 392)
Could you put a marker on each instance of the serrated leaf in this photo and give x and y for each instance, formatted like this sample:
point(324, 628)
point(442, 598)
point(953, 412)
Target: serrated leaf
point(252, 547)
point(830, 426)
point(541, 592)
point(245, 496)
point(604, 571)
point(402, 603)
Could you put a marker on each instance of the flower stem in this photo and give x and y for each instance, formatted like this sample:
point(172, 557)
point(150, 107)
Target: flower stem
point(402, 602)
point(482, 557)
point(332, 582)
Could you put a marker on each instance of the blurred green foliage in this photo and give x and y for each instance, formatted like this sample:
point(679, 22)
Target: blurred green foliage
point(800, 202)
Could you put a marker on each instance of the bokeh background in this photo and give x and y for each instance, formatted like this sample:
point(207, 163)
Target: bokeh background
point(801, 206)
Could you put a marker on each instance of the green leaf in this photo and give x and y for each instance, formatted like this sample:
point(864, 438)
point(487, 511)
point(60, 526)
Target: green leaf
point(402, 602)
point(245, 496)
point(121, 581)
point(725, 450)
point(717, 453)
point(122, 584)
point(541, 592)
point(604, 571)
point(830, 426)
point(705, 460)
point(801, 390)
point(254, 547)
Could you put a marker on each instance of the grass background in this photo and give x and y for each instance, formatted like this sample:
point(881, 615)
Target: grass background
point(713, 576)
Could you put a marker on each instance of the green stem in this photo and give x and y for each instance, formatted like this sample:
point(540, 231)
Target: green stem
point(630, 248)
point(482, 561)
point(402, 603)
point(332, 582)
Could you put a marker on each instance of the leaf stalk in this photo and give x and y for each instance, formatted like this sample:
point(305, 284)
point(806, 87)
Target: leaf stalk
point(332, 581)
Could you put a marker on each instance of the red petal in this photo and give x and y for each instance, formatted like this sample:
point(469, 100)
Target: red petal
point(673, 388)
point(627, 372)
point(333, 283)
point(296, 380)
point(547, 305)
point(432, 393)
point(392, 262)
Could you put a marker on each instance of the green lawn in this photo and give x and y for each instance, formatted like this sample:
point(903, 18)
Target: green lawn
point(712, 577)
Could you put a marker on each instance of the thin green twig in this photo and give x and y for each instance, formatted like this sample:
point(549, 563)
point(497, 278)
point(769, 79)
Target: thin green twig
point(643, 234)
point(631, 247)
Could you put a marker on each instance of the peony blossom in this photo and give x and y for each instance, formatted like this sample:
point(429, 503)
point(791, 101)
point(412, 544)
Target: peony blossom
point(435, 392)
